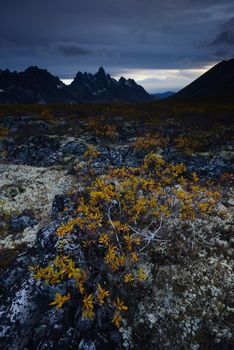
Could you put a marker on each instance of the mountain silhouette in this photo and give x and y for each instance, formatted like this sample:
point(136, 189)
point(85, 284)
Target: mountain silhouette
point(217, 82)
point(101, 87)
point(35, 85)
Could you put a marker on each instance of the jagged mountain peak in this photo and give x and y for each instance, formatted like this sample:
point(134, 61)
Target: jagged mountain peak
point(40, 74)
point(102, 75)
point(122, 80)
point(101, 87)
point(79, 74)
point(35, 69)
point(101, 71)
point(36, 85)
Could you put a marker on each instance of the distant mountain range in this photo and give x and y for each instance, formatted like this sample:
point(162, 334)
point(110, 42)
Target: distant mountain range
point(162, 95)
point(35, 85)
point(216, 83)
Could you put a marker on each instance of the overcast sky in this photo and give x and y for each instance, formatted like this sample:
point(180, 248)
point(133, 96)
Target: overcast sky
point(162, 44)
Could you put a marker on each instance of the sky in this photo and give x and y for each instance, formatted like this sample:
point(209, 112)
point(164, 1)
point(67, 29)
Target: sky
point(163, 45)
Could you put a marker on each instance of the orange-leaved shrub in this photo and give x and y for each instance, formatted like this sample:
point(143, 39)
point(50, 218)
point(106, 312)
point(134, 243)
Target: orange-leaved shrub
point(101, 127)
point(119, 216)
point(150, 141)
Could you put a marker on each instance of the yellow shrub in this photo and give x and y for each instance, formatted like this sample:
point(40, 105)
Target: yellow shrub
point(120, 214)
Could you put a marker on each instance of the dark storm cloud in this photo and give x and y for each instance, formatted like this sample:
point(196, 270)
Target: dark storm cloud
point(71, 50)
point(226, 36)
point(224, 40)
point(70, 35)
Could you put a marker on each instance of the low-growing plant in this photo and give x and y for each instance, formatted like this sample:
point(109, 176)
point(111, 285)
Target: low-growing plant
point(3, 131)
point(101, 127)
point(197, 140)
point(227, 177)
point(118, 217)
point(149, 142)
point(47, 113)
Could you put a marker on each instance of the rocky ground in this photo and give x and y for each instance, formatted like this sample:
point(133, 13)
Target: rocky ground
point(187, 301)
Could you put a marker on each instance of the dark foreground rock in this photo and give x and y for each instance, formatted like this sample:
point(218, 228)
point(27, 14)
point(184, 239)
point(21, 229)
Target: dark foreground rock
point(22, 221)
point(37, 150)
point(27, 321)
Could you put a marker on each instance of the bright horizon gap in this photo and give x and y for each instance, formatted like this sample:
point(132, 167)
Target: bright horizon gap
point(159, 80)
point(67, 81)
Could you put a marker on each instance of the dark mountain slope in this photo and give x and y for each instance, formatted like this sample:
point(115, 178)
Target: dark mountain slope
point(34, 85)
point(217, 82)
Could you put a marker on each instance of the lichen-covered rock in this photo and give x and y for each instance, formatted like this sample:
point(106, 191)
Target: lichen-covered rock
point(191, 298)
point(20, 222)
point(31, 188)
point(37, 150)
point(26, 318)
point(73, 147)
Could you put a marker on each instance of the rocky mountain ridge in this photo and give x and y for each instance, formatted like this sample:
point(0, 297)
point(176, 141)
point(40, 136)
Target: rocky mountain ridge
point(35, 85)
